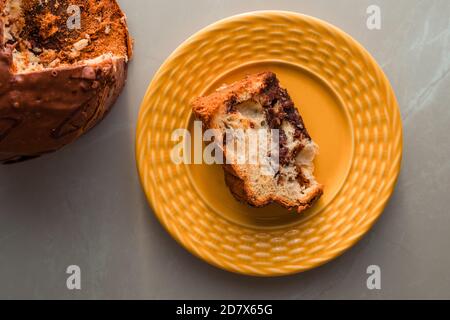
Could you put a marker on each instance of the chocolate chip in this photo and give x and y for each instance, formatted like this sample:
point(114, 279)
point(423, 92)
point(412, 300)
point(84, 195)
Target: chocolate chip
point(231, 104)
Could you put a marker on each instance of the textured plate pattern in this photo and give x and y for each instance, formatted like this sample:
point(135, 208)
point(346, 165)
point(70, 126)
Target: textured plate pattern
point(325, 51)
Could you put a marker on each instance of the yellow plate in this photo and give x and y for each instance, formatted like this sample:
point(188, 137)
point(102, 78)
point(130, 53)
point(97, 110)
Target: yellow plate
point(348, 106)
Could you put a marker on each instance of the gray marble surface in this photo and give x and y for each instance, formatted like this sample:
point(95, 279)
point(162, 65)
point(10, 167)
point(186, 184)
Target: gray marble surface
point(84, 205)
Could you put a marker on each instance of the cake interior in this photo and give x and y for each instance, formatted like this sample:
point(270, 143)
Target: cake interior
point(44, 33)
point(293, 178)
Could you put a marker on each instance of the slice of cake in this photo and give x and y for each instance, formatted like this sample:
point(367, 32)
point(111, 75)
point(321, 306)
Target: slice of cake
point(283, 174)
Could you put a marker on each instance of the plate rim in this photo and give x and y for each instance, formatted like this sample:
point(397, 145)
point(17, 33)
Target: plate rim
point(157, 75)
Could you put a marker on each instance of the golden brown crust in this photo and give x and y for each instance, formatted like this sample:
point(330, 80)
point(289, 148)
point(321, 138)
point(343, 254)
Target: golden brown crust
point(244, 194)
point(236, 186)
point(206, 107)
point(222, 101)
